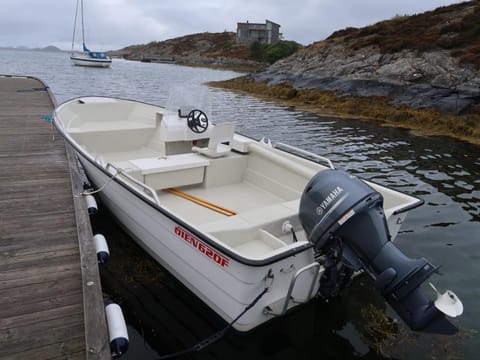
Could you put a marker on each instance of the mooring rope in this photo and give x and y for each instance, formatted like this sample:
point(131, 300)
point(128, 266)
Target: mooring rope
point(215, 337)
point(87, 192)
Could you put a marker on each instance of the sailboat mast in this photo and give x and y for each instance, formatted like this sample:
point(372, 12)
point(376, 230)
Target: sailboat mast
point(83, 28)
point(74, 27)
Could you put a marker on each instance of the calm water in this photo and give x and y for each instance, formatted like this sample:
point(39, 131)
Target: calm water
point(164, 317)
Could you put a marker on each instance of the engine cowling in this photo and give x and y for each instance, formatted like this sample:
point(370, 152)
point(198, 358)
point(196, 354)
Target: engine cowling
point(343, 217)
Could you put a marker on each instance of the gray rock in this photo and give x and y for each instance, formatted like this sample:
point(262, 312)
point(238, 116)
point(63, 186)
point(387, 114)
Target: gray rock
point(419, 79)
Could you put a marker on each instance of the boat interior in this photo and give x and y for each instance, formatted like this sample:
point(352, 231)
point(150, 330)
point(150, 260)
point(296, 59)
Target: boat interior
point(243, 192)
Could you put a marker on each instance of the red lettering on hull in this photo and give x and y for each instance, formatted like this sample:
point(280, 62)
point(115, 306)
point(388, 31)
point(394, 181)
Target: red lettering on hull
point(202, 247)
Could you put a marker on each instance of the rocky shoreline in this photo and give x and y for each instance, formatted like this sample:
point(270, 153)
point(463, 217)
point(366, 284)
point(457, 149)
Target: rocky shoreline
point(421, 80)
point(421, 72)
point(335, 103)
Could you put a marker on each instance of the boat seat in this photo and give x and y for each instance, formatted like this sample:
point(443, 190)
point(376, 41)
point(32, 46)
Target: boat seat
point(169, 163)
point(172, 171)
point(220, 142)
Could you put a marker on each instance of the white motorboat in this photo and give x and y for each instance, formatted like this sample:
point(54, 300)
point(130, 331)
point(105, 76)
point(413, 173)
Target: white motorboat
point(87, 57)
point(245, 224)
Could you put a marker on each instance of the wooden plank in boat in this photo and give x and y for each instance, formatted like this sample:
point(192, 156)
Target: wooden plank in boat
point(202, 202)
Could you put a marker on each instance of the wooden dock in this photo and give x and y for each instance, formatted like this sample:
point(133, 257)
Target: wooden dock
point(51, 303)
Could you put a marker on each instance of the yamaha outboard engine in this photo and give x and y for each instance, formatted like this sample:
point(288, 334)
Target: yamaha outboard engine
point(344, 218)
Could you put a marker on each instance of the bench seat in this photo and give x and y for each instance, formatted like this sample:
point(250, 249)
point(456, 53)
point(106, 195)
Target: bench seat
point(172, 171)
point(170, 163)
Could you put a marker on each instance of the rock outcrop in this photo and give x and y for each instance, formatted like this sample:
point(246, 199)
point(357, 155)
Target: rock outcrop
point(421, 61)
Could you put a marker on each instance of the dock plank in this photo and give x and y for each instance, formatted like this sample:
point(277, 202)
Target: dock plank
point(68, 327)
point(72, 349)
point(44, 307)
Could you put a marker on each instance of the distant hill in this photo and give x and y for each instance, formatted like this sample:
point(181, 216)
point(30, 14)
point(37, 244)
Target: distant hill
point(49, 48)
point(206, 48)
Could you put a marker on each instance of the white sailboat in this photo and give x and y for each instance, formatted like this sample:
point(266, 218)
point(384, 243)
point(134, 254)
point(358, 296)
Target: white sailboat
point(87, 57)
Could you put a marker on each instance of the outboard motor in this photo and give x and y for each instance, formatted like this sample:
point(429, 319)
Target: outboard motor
point(343, 217)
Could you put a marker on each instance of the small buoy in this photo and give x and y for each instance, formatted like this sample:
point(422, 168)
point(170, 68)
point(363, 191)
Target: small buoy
point(101, 246)
point(91, 205)
point(117, 330)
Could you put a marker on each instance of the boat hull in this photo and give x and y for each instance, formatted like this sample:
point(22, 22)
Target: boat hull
point(225, 284)
point(89, 62)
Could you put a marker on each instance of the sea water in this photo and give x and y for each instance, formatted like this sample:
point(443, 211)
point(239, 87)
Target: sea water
point(164, 317)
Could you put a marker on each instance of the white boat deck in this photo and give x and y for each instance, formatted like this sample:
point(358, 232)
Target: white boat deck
point(239, 197)
point(255, 229)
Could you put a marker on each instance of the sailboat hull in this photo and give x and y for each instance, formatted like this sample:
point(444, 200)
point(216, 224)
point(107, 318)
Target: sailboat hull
point(83, 59)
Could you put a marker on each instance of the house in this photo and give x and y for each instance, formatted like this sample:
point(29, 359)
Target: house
point(267, 33)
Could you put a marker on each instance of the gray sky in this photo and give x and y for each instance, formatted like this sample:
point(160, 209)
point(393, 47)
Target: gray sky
point(113, 24)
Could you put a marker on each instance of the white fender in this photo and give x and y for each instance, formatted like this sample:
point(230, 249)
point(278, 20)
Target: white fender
point(91, 204)
point(101, 246)
point(117, 330)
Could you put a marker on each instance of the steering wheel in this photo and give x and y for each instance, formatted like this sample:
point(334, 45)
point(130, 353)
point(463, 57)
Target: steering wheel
point(197, 121)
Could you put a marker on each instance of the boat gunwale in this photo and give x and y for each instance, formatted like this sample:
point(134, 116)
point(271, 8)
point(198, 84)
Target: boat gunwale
point(203, 236)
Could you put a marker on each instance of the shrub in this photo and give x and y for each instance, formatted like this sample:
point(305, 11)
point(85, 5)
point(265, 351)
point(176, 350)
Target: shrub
point(280, 50)
point(274, 52)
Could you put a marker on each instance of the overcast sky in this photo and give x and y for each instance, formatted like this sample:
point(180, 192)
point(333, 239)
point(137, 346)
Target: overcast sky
point(114, 24)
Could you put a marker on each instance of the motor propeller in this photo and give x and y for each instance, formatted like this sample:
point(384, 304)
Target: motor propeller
point(448, 302)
